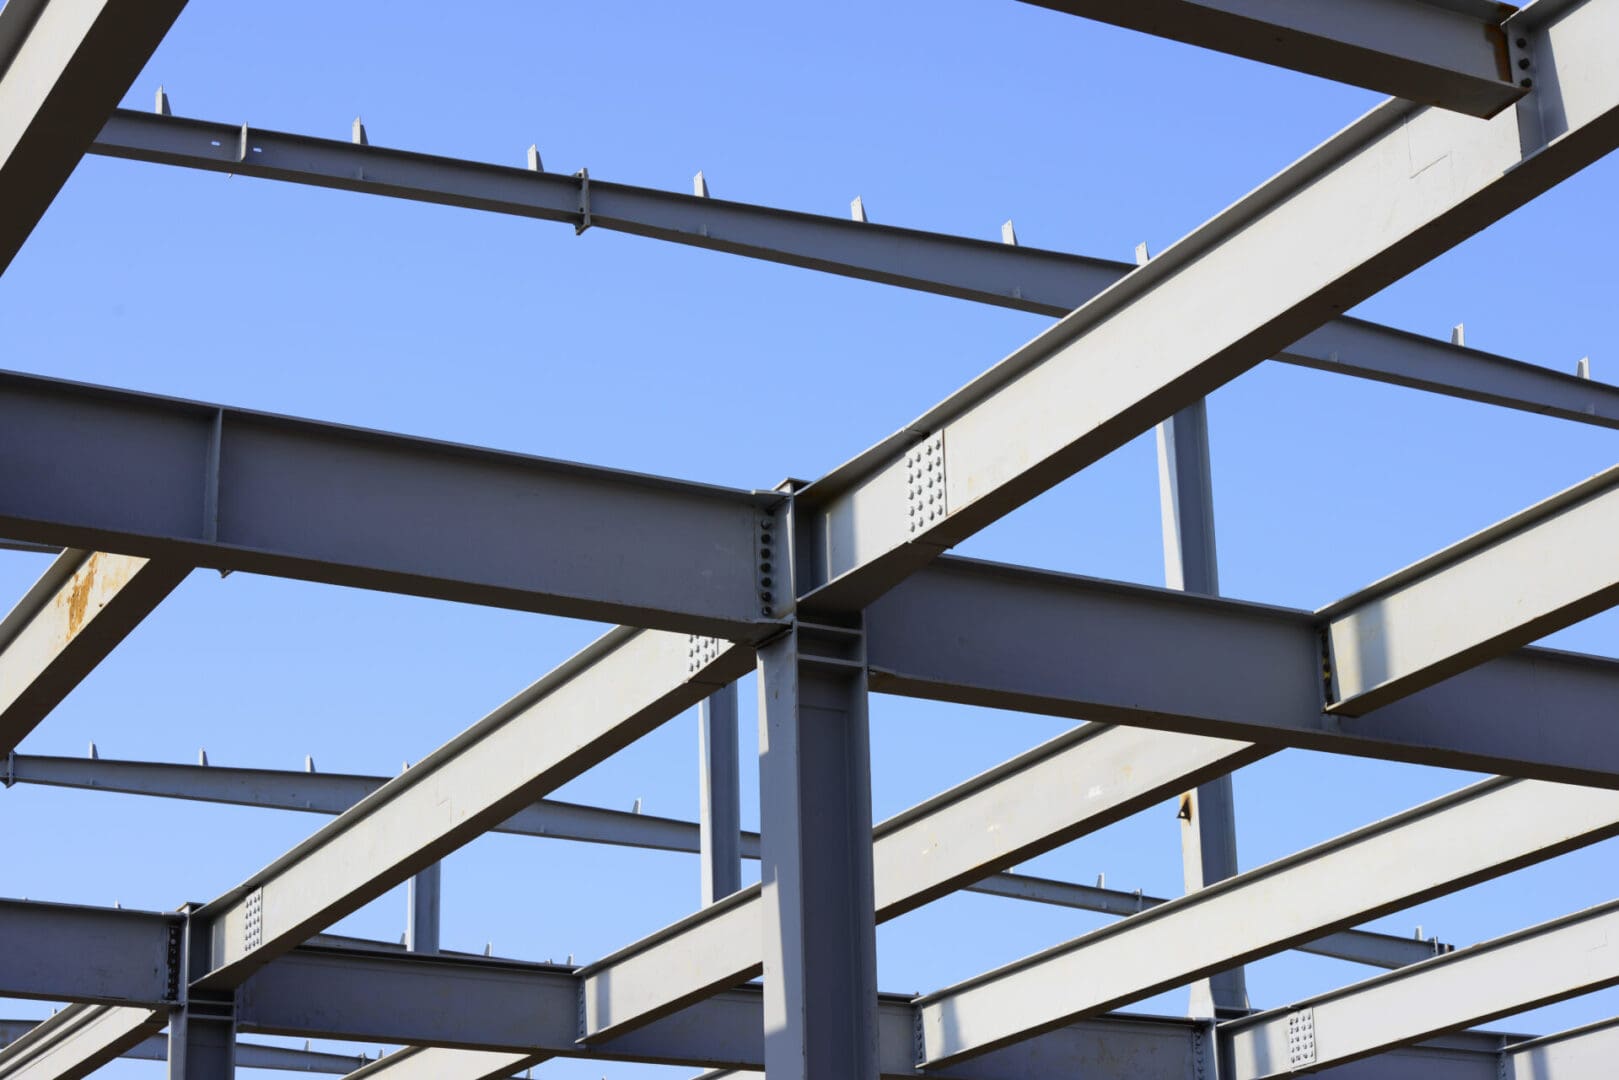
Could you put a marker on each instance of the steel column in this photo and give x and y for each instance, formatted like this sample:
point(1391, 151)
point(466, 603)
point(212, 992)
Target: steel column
point(1208, 813)
point(422, 909)
point(819, 918)
point(719, 795)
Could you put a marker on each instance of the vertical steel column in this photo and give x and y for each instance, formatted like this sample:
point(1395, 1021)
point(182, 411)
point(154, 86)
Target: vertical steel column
point(1208, 814)
point(202, 1029)
point(820, 943)
point(719, 819)
point(422, 899)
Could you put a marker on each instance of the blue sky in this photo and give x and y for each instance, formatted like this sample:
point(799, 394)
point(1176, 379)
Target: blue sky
point(624, 352)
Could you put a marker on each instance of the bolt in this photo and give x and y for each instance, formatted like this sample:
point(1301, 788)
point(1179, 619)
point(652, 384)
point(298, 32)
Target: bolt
point(1526, 83)
point(1523, 65)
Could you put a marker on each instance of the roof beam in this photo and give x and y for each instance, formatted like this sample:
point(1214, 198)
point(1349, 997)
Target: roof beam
point(596, 703)
point(333, 793)
point(441, 1063)
point(1014, 638)
point(121, 957)
point(1025, 806)
point(1567, 1055)
point(63, 66)
point(1392, 864)
point(1514, 582)
point(1395, 189)
point(79, 1040)
point(81, 608)
point(1546, 963)
point(1005, 275)
point(209, 486)
point(1453, 55)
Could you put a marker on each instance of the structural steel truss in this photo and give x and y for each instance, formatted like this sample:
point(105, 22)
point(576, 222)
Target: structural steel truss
point(837, 588)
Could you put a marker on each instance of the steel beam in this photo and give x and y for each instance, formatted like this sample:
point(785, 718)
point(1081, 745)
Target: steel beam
point(79, 1040)
point(1567, 1055)
point(719, 795)
point(332, 793)
point(595, 704)
point(208, 486)
point(121, 957)
point(63, 66)
point(1012, 276)
point(81, 608)
point(1480, 832)
point(1450, 54)
point(1013, 812)
point(1010, 638)
point(816, 899)
point(1392, 191)
point(1500, 588)
point(1546, 963)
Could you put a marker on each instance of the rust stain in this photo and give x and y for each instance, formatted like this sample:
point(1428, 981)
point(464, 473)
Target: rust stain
point(79, 593)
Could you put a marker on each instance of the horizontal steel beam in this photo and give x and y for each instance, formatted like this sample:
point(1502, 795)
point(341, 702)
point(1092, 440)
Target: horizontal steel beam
point(81, 608)
point(120, 957)
point(63, 66)
point(79, 1040)
point(595, 704)
point(249, 1055)
point(1019, 809)
point(1013, 638)
point(504, 1006)
point(1546, 963)
point(1538, 571)
point(1403, 860)
point(333, 793)
point(201, 485)
point(1394, 190)
point(1005, 275)
point(1453, 55)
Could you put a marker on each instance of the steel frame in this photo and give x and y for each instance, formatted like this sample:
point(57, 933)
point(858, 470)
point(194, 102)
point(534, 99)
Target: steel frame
point(839, 588)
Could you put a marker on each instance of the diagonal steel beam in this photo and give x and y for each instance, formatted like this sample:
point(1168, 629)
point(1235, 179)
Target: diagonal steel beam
point(1011, 276)
point(1392, 191)
point(81, 608)
point(1543, 964)
point(249, 1055)
point(79, 1040)
point(442, 1063)
point(1400, 861)
point(1538, 571)
point(1451, 54)
point(1022, 807)
point(63, 66)
point(590, 707)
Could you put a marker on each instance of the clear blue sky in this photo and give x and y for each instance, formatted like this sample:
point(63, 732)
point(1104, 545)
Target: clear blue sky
point(624, 352)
